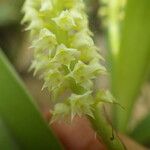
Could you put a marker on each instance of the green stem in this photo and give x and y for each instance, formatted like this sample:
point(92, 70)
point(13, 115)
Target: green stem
point(105, 130)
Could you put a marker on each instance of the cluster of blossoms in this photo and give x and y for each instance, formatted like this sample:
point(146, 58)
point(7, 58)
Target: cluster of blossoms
point(112, 11)
point(64, 54)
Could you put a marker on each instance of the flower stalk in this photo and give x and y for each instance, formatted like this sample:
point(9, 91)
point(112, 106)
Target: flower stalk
point(105, 130)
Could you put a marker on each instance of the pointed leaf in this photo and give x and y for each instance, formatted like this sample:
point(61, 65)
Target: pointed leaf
point(20, 114)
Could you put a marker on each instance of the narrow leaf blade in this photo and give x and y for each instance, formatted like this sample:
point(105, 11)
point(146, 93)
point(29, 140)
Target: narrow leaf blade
point(6, 140)
point(133, 59)
point(20, 114)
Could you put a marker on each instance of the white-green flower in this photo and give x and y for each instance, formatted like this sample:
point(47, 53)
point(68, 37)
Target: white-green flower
point(65, 21)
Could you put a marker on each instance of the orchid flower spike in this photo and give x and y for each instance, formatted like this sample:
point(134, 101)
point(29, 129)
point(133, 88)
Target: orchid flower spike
point(65, 55)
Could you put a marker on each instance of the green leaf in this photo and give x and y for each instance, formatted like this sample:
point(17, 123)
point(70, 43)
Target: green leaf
point(6, 141)
point(141, 132)
point(132, 59)
point(20, 114)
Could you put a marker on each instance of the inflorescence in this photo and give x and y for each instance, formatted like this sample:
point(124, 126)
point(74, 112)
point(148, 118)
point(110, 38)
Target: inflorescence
point(65, 55)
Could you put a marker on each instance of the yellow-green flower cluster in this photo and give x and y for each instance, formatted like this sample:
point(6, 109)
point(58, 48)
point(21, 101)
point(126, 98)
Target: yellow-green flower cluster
point(65, 54)
point(112, 11)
